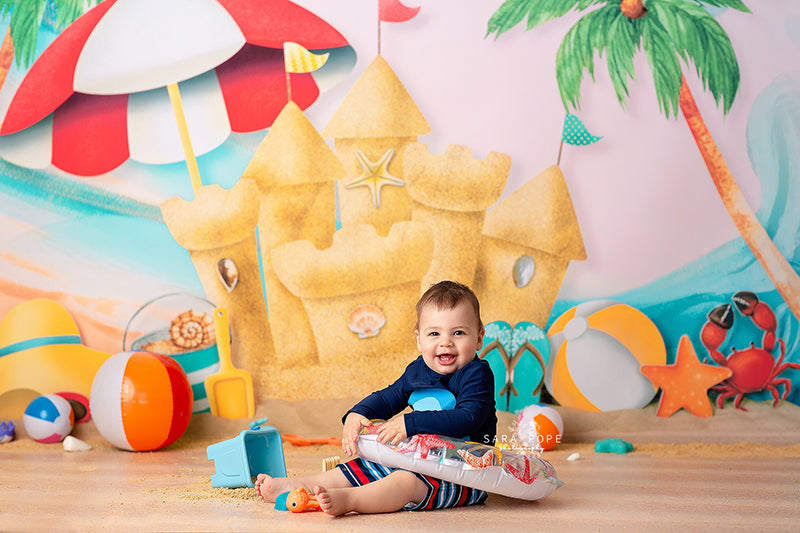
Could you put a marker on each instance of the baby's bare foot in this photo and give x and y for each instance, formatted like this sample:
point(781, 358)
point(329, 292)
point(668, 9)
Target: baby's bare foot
point(333, 502)
point(269, 488)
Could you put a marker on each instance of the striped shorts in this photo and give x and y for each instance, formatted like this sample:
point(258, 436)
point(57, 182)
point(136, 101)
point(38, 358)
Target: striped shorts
point(441, 494)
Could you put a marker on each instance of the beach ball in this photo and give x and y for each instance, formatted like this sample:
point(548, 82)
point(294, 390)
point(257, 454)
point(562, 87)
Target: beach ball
point(539, 425)
point(48, 418)
point(141, 401)
point(596, 351)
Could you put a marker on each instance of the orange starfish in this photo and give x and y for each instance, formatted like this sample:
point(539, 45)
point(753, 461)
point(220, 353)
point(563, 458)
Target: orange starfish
point(686, 383)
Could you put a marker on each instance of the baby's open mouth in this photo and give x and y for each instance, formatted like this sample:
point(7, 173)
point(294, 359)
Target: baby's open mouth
point(446, 358)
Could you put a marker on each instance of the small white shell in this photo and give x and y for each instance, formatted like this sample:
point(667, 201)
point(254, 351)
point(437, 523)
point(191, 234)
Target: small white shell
point(73, 444)
point(574, 456)
point(524, 268)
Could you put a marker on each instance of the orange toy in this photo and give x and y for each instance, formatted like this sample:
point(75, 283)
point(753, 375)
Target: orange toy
point(300, 500)
point(299, 440)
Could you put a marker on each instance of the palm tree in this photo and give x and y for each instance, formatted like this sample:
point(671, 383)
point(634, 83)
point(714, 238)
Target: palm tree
point(667, 31)
point(23, 29)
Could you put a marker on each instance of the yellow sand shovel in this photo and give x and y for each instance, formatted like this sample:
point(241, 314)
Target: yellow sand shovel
point(230, 391)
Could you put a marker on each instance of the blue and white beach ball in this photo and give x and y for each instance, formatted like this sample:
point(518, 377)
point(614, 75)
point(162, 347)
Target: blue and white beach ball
point(48, 418)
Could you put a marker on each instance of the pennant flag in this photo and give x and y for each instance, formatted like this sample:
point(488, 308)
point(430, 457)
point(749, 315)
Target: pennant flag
point(395, 11)
point(575, 132)
point(299, 60)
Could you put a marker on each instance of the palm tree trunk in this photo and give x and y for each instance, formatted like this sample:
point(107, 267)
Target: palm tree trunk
point(776, 266)
point(6, 56)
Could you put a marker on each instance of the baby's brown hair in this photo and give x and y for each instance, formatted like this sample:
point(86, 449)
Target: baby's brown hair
point(446, 295)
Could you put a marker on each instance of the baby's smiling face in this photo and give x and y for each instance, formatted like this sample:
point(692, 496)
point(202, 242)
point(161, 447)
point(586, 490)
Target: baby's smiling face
point(448, 338)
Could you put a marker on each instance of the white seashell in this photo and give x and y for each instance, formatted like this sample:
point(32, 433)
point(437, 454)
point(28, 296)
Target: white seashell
point(366, 320)
point(73, 444)
point(574, 456)
point(524, 268)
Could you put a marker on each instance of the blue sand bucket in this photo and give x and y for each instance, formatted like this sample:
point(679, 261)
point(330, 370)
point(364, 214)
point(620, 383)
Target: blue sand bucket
point(198, 364)
point(239, 460)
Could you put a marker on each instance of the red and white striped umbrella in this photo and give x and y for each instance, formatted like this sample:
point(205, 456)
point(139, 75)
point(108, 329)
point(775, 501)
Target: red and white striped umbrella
point(97, 95)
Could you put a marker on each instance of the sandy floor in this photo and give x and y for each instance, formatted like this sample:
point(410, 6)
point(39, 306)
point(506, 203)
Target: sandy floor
point(735, 471)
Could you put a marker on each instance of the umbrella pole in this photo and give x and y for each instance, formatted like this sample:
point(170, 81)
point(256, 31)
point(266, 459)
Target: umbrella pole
point(180, 118)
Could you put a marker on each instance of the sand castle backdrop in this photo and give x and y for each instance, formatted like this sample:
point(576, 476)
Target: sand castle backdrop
point(322, 163)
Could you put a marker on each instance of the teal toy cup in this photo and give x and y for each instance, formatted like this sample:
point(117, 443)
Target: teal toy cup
point(239, 460)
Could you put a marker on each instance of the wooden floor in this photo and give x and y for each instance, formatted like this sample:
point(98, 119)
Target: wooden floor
point(44, 488)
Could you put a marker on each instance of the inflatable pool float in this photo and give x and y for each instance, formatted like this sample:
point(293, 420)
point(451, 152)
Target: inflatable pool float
point(508, 472)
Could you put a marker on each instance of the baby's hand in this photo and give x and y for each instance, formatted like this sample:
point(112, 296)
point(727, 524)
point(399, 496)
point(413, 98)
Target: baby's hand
point(353, 424)
point(392, 431)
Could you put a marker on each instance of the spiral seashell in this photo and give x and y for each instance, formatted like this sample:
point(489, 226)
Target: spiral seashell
point(366, 320)
point(191, 329)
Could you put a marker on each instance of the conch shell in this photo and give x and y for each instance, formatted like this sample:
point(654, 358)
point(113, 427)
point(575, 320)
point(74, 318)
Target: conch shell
point(191, 329)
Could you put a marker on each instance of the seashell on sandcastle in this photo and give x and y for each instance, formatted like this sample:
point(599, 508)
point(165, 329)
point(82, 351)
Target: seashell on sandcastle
point(357, 284)
point(451, 193)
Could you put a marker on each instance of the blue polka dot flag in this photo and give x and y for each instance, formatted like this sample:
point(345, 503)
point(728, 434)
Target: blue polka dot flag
point(575, 132)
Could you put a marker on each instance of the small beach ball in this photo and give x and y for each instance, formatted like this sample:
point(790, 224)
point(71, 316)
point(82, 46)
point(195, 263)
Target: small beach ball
point(539, 425)
point(596, 351)
point(141, 401)
point(48, 418)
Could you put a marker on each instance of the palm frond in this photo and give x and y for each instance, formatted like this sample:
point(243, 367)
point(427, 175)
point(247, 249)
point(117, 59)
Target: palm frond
point(664, 64)
point(5, 7)
point(738, 5)
point(512, 12)
point(699, 39)
point(575, 56)
point(602, 30)
point(26, 17)
point(69, 10)
point(622, 40)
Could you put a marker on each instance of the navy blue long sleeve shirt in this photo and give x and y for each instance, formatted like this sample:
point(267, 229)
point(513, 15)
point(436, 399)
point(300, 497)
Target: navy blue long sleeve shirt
point(473, 415)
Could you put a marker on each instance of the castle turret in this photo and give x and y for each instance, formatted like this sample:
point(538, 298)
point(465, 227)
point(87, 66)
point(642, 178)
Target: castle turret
point(372, 126)
point(451, 193)
point(296, 173)
point(528, 241)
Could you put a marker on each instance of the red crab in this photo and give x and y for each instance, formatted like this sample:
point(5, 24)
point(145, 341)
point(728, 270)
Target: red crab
point(754, 369)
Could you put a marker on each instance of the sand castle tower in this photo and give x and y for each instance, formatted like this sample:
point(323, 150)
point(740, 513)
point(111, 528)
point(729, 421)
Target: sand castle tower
point(296, 173)
point(525, 251)
point(451, 193)
point(359, 297)
point(218, 229)
point(371, 127)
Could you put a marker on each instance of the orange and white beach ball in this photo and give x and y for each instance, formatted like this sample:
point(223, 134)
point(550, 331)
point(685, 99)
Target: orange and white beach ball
point(596, 351)
point(141, 401)
point(539, 425)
